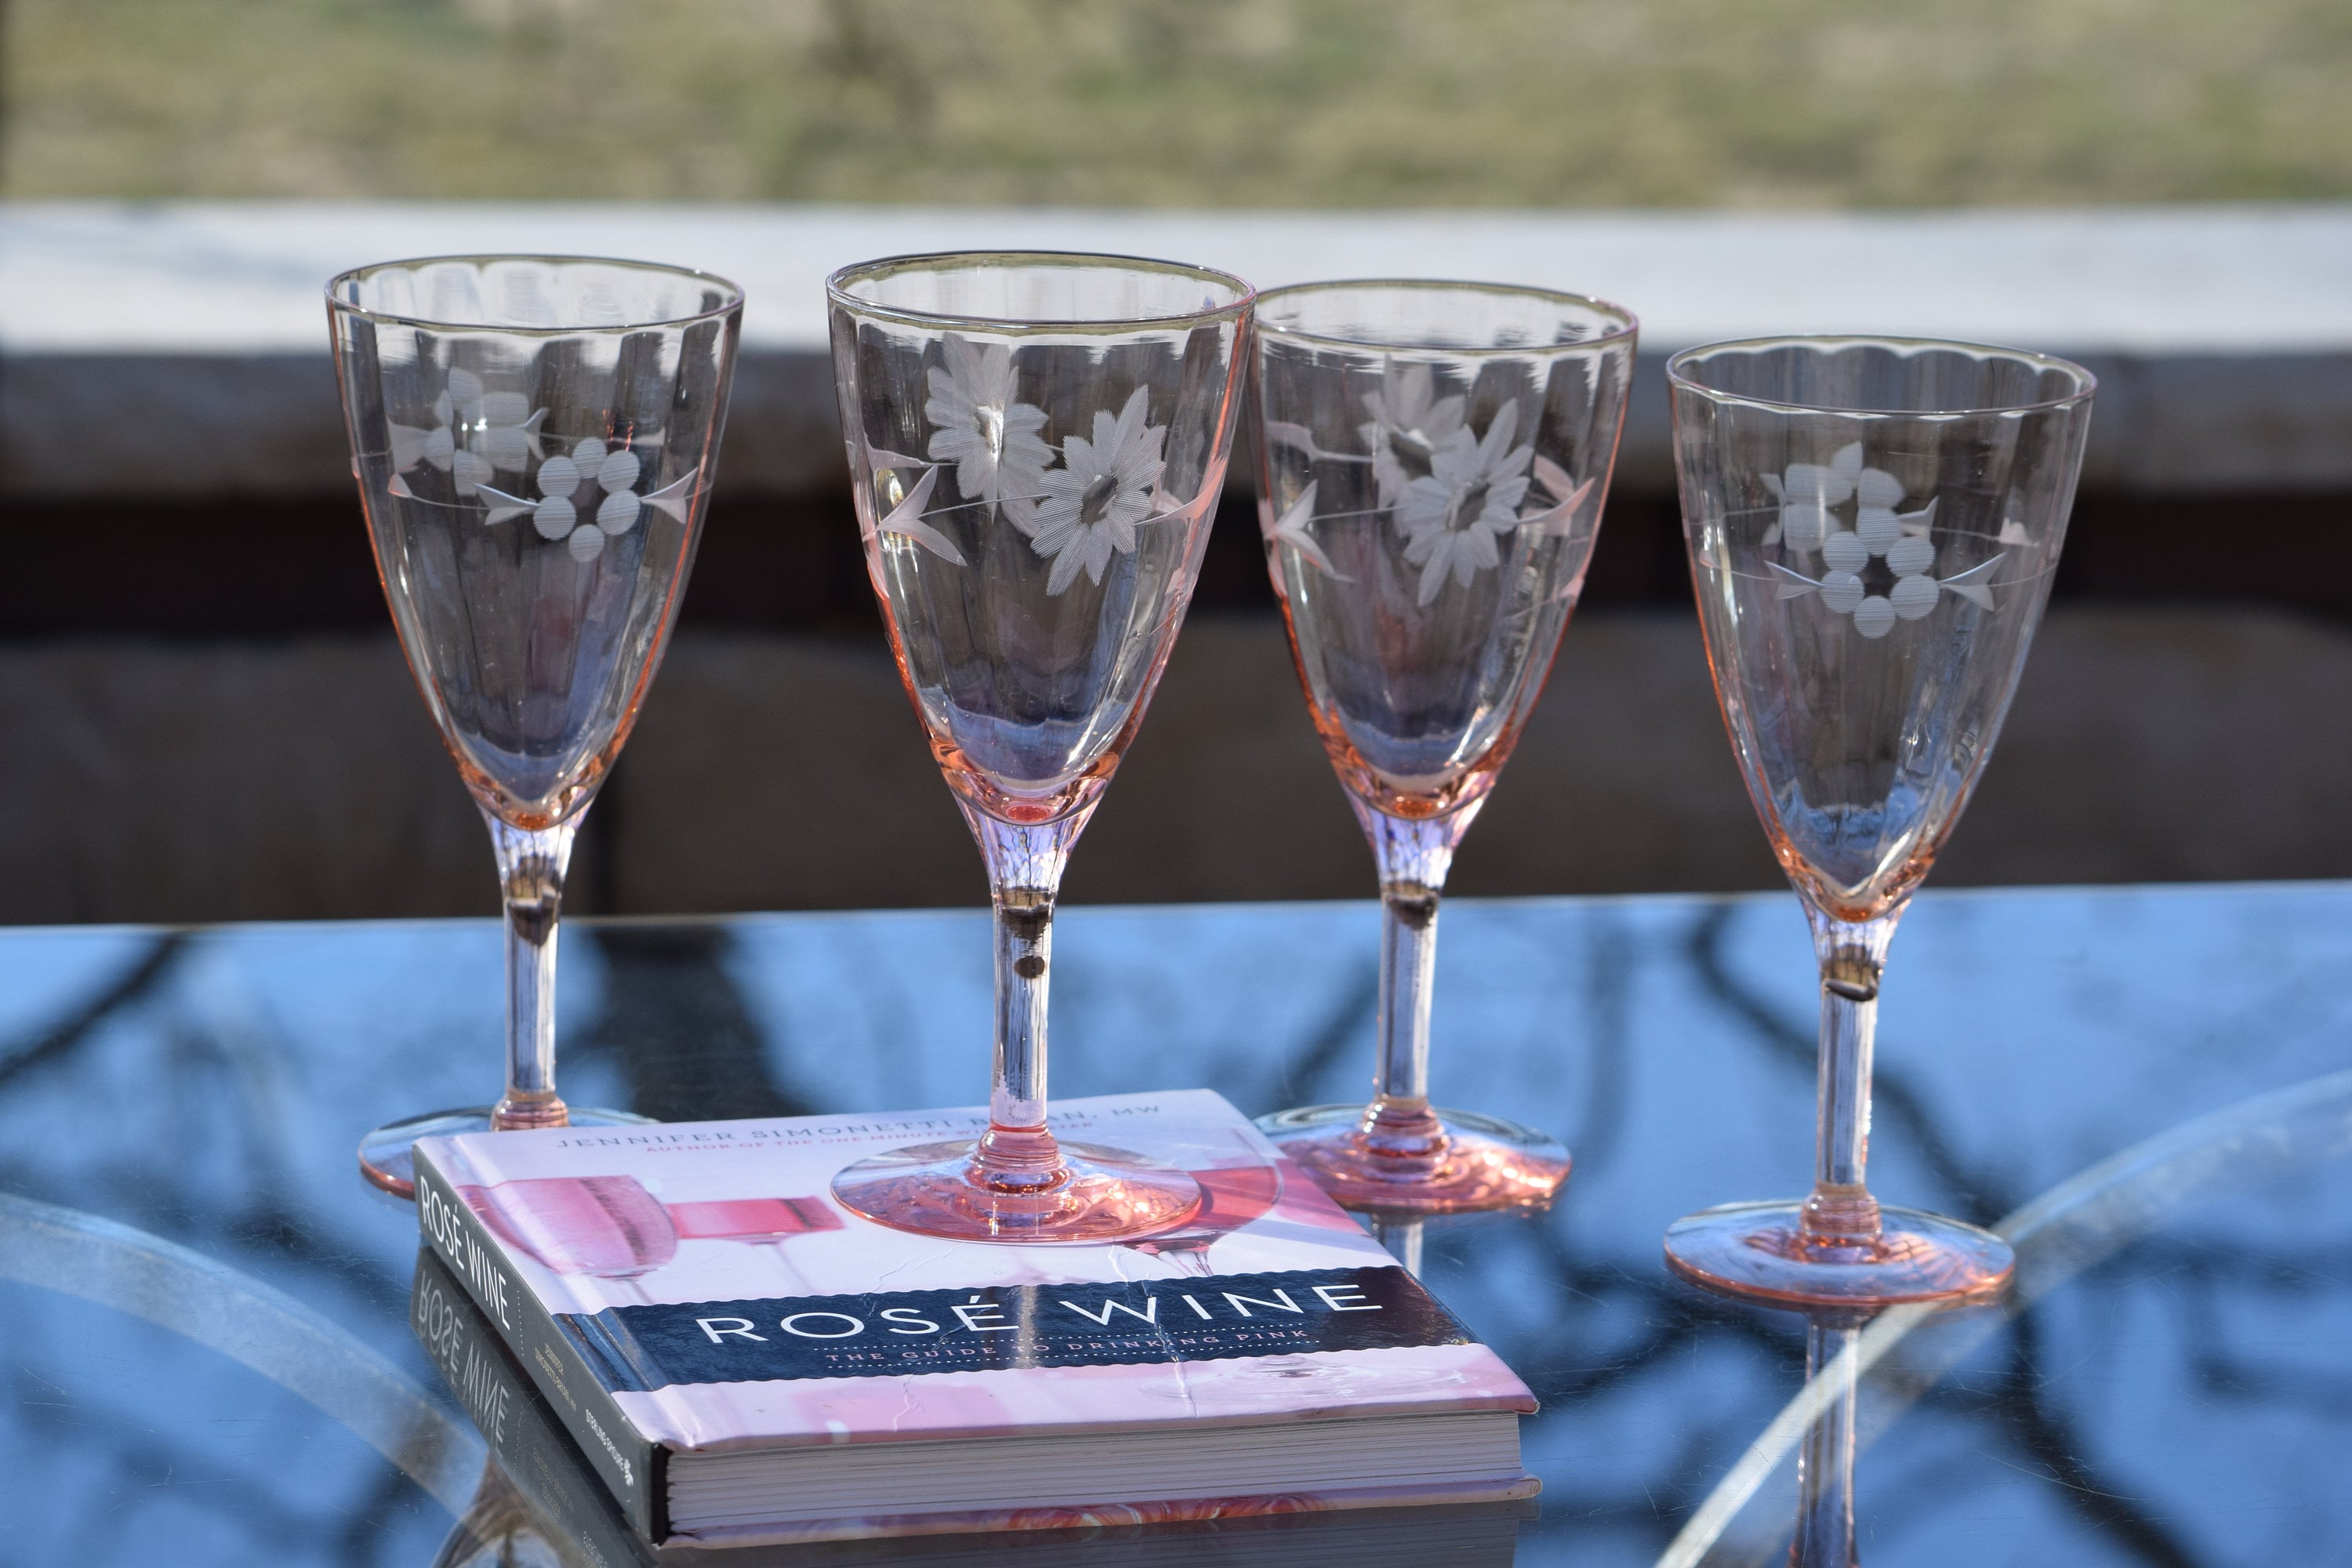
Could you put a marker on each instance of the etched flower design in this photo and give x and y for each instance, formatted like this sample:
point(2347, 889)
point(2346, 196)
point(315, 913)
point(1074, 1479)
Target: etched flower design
point(1292, 528)
point(1452, 493)
point(1410, 422)
point(1076, 515)
point(1878, 571)
point(907, 504)
point(1452, 515)
point(569, 483)
point(982, 428)
point(1809, 492)
point(1104, 488)
point(500, 434)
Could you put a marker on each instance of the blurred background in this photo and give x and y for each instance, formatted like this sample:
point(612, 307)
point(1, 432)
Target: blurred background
point(203, 714)
point(1206, 103)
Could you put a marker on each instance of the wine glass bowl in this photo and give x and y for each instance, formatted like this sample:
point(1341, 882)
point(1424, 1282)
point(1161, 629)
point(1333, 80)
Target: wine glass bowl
point(609, 1227)
point(1433, 460)
point(1873, 526)
point(533, 439)
point(1036, 442)
point(752, 1219)
point(1232, 1196)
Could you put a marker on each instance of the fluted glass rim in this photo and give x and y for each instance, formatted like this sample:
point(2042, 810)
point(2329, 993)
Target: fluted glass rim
point(732, 303)
point(1677, 376)
point(1627, 327)
point(837, 286)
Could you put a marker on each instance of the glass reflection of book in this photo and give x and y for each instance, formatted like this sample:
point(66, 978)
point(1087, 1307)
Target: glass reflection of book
point(523, 1513)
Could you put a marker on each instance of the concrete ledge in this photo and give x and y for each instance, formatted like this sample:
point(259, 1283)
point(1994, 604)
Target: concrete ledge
point(211, 426)
point(178, 351)
point(324, 794)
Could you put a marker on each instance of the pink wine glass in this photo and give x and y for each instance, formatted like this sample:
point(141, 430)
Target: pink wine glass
point(533, 439)
point(1036, 445)
point(1231, 1197)
point(609, 1227)
point(1872, 525)
point(1434, 456)
point(756, 1222)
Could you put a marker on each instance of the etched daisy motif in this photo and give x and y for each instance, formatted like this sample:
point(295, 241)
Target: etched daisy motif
point(569, 483)
point(1410, 422)
point(1452, 493)
point(1452, 515)
point(1877, 572)
point(1105, 487)
point(990, 436)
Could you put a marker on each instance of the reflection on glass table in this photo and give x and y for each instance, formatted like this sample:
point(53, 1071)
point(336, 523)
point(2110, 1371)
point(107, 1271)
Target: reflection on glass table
point(206, 1313)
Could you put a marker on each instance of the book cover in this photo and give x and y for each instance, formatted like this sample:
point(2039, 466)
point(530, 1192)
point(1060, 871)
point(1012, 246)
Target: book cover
point(571, 1514)
point(691, 1289)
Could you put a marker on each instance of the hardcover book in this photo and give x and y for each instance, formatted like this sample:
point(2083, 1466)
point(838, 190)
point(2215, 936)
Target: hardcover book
point(741, 1359)
point(541, 1485)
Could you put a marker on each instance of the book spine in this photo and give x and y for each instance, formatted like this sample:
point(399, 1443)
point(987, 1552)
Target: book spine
point(636, 1470)
point(538, 1459)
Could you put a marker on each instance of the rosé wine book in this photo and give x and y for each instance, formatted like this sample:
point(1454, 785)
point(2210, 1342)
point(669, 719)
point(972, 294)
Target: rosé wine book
point(741, 1359)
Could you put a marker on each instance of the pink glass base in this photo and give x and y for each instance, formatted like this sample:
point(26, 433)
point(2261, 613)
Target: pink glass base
point(384, 1153)
point(1756, 1252)
point(1484, 1163)
point(1106, 1194)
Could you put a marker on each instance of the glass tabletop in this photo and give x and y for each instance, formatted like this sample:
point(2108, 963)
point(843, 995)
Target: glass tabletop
point(205, 1311)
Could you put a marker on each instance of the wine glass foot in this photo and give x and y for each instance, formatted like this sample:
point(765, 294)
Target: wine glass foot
point(1757, 1253)
point(1488, 1164)
point(384, 1153)
point(1110, 1195)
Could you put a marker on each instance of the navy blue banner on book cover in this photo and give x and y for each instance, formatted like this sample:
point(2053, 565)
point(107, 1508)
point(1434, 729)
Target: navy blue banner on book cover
point(1130, 1324)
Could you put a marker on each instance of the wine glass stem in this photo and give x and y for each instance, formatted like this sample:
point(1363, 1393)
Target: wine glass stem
point(1413, 857)
point(1403, 1236)
point(1024, 956)
point(531, 866)
point(1017, 1154)
point(1824, 1536)
point(1852, 955)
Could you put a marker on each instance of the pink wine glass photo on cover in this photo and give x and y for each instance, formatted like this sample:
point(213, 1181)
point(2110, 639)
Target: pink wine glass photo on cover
point(614, 1228)
point(764, 1224)
point(1231, 1197)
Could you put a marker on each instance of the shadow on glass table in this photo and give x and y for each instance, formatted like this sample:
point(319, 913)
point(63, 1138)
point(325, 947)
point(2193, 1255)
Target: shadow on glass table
point(205, 1312)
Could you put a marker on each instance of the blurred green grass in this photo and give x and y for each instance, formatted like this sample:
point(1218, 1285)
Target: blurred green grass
point(1540, 103)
